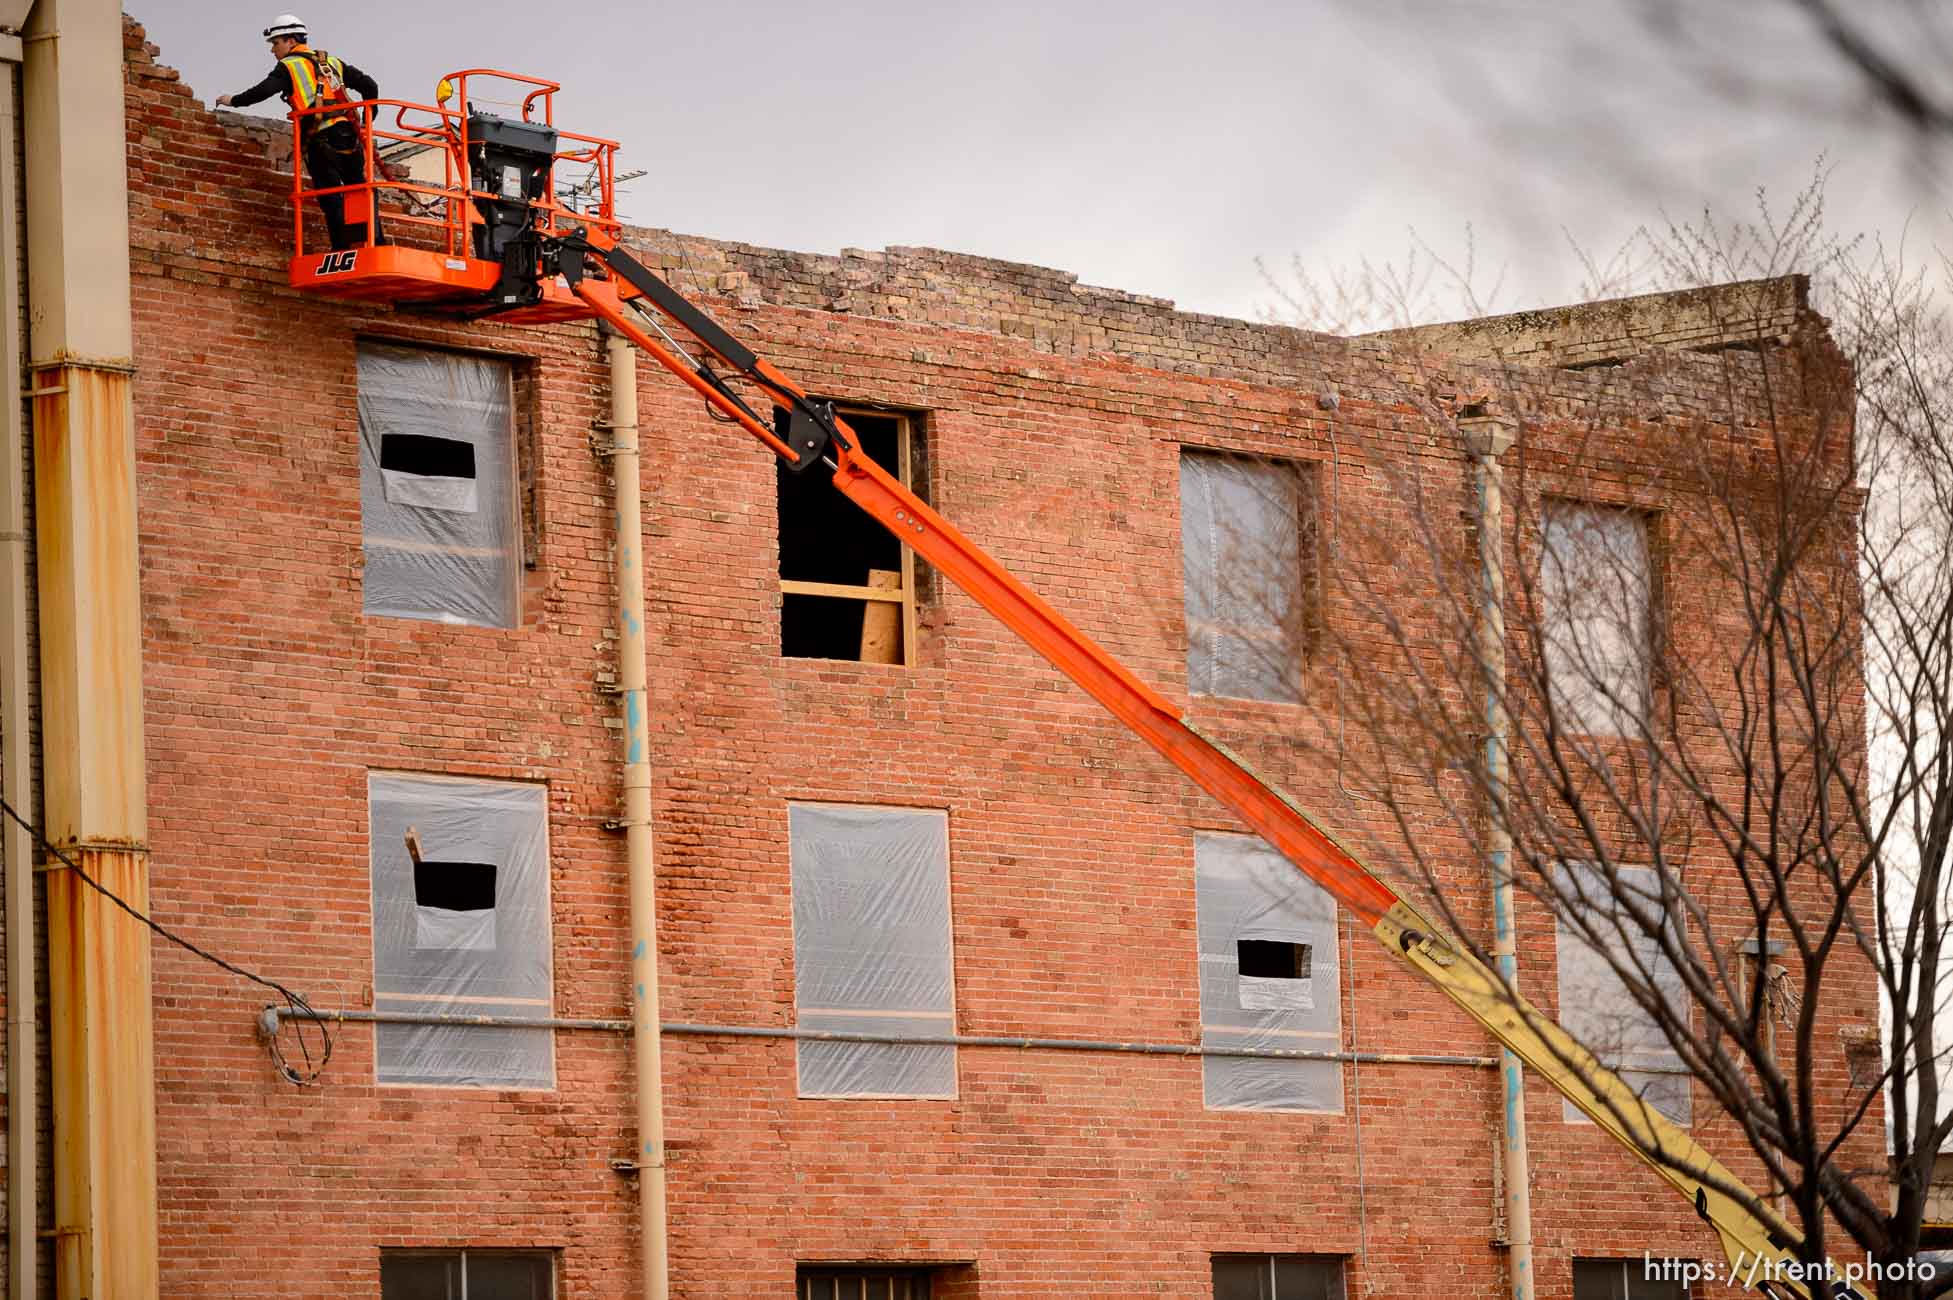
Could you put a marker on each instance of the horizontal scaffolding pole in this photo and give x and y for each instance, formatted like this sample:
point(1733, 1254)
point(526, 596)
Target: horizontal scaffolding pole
point(272, 1017)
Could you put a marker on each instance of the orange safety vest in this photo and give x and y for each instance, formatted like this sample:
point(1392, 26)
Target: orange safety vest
point(318, 79)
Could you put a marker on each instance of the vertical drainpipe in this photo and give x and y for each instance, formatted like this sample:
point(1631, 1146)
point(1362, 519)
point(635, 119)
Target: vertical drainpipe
point(1487, 438)
point(101, 1033)
point(16, 681)
point(645, 1031)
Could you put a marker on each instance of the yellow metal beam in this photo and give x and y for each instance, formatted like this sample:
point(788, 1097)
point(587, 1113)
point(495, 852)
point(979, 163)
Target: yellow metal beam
point(1761, 1248)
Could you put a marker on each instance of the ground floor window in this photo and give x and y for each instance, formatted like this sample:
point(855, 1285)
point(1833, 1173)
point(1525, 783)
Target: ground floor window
point(467, 1275)
point(862, 1282)
point(1645, 1278)
point(1278, 1277)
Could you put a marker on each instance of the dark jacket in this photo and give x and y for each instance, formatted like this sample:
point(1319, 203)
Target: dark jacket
point(279, 82)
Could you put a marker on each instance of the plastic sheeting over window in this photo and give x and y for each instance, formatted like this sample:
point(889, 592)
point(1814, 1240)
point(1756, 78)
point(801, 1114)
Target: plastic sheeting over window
point(1594, 593)
point(1241, 549)
point(437, 486)
point(1245, 892)
point(871, 948)
point(463, 933)
point(1595, 1005)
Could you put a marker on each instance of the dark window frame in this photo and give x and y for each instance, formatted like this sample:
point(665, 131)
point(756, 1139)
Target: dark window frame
point(550, 1258)
point(1335, 1287)
point(857, 1281)
point(1609, 1278)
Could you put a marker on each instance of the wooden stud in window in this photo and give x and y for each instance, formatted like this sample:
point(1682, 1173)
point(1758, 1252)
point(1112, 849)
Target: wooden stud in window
point(881, 621)
point(839, 590)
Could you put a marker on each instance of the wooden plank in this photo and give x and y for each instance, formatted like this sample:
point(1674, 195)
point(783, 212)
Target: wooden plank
point(881, 622)
point(792, 587)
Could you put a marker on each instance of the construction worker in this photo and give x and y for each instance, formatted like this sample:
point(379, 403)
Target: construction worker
point(334, 150)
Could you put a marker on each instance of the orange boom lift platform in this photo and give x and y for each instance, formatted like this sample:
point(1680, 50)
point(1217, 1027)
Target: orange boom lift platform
point(472, 198)
point(512, 218)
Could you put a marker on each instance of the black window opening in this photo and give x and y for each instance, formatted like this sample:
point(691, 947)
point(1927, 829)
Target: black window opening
point(1278, 1277)
point(467, 1275)
point(425, 470)
point(847, 586)
point(455, 886)
point(1273, 959)
point(863, 1282)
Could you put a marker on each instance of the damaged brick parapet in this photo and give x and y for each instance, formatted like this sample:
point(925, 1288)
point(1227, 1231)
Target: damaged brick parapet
point(1747, 314)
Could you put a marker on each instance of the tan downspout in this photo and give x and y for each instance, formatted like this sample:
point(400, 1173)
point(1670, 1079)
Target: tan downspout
point(637, 819)
point(16, 681)
point(81, 365)
point(1487, 438)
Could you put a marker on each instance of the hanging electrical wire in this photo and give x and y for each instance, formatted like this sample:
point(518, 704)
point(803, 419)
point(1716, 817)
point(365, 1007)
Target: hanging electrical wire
point(295, 1003)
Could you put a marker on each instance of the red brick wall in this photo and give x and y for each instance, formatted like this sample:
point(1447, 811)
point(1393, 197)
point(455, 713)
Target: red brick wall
point(270, 697)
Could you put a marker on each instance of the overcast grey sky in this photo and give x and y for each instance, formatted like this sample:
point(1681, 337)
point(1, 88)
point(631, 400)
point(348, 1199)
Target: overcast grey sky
point(1158, 149)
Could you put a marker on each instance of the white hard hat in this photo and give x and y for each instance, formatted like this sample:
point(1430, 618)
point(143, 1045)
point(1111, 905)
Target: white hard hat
point(285, 25)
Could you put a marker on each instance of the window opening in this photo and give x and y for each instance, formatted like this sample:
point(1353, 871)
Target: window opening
point(1595, 623)
point(1268, 978)
point(865, 1282)
point(467, 1275)
point(1247, 549)
point(871, 949)
point(1631, 1279)
point(434, 473)
point(438, 498)
point(1273, 959)
point(1278, 1277)
point(454, 904)
point(847, 586)
point(460, 928)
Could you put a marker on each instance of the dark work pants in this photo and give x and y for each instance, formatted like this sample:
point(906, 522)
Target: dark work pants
point(334, 155)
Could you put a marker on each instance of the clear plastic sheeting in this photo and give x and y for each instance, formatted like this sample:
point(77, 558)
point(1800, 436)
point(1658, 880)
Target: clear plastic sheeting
point(1594, 636)
point(871, 948)
point(1245, 891)
point(1595, 1005)
point(438, 950)
point(1240, 541)
point(437, 486)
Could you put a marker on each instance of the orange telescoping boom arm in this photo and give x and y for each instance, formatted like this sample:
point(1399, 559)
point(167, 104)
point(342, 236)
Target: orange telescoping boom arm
point(1763, 1251)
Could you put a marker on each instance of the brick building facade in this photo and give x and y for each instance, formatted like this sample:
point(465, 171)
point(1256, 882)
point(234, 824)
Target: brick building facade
point(1049, 421)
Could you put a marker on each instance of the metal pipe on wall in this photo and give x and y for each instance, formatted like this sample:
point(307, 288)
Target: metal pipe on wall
point(272, 1017)
point(647, 1046)
point(16, 681)
point(1487, 438)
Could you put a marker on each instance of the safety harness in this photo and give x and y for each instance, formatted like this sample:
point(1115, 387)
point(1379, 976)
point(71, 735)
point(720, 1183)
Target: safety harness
point(318, 79)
